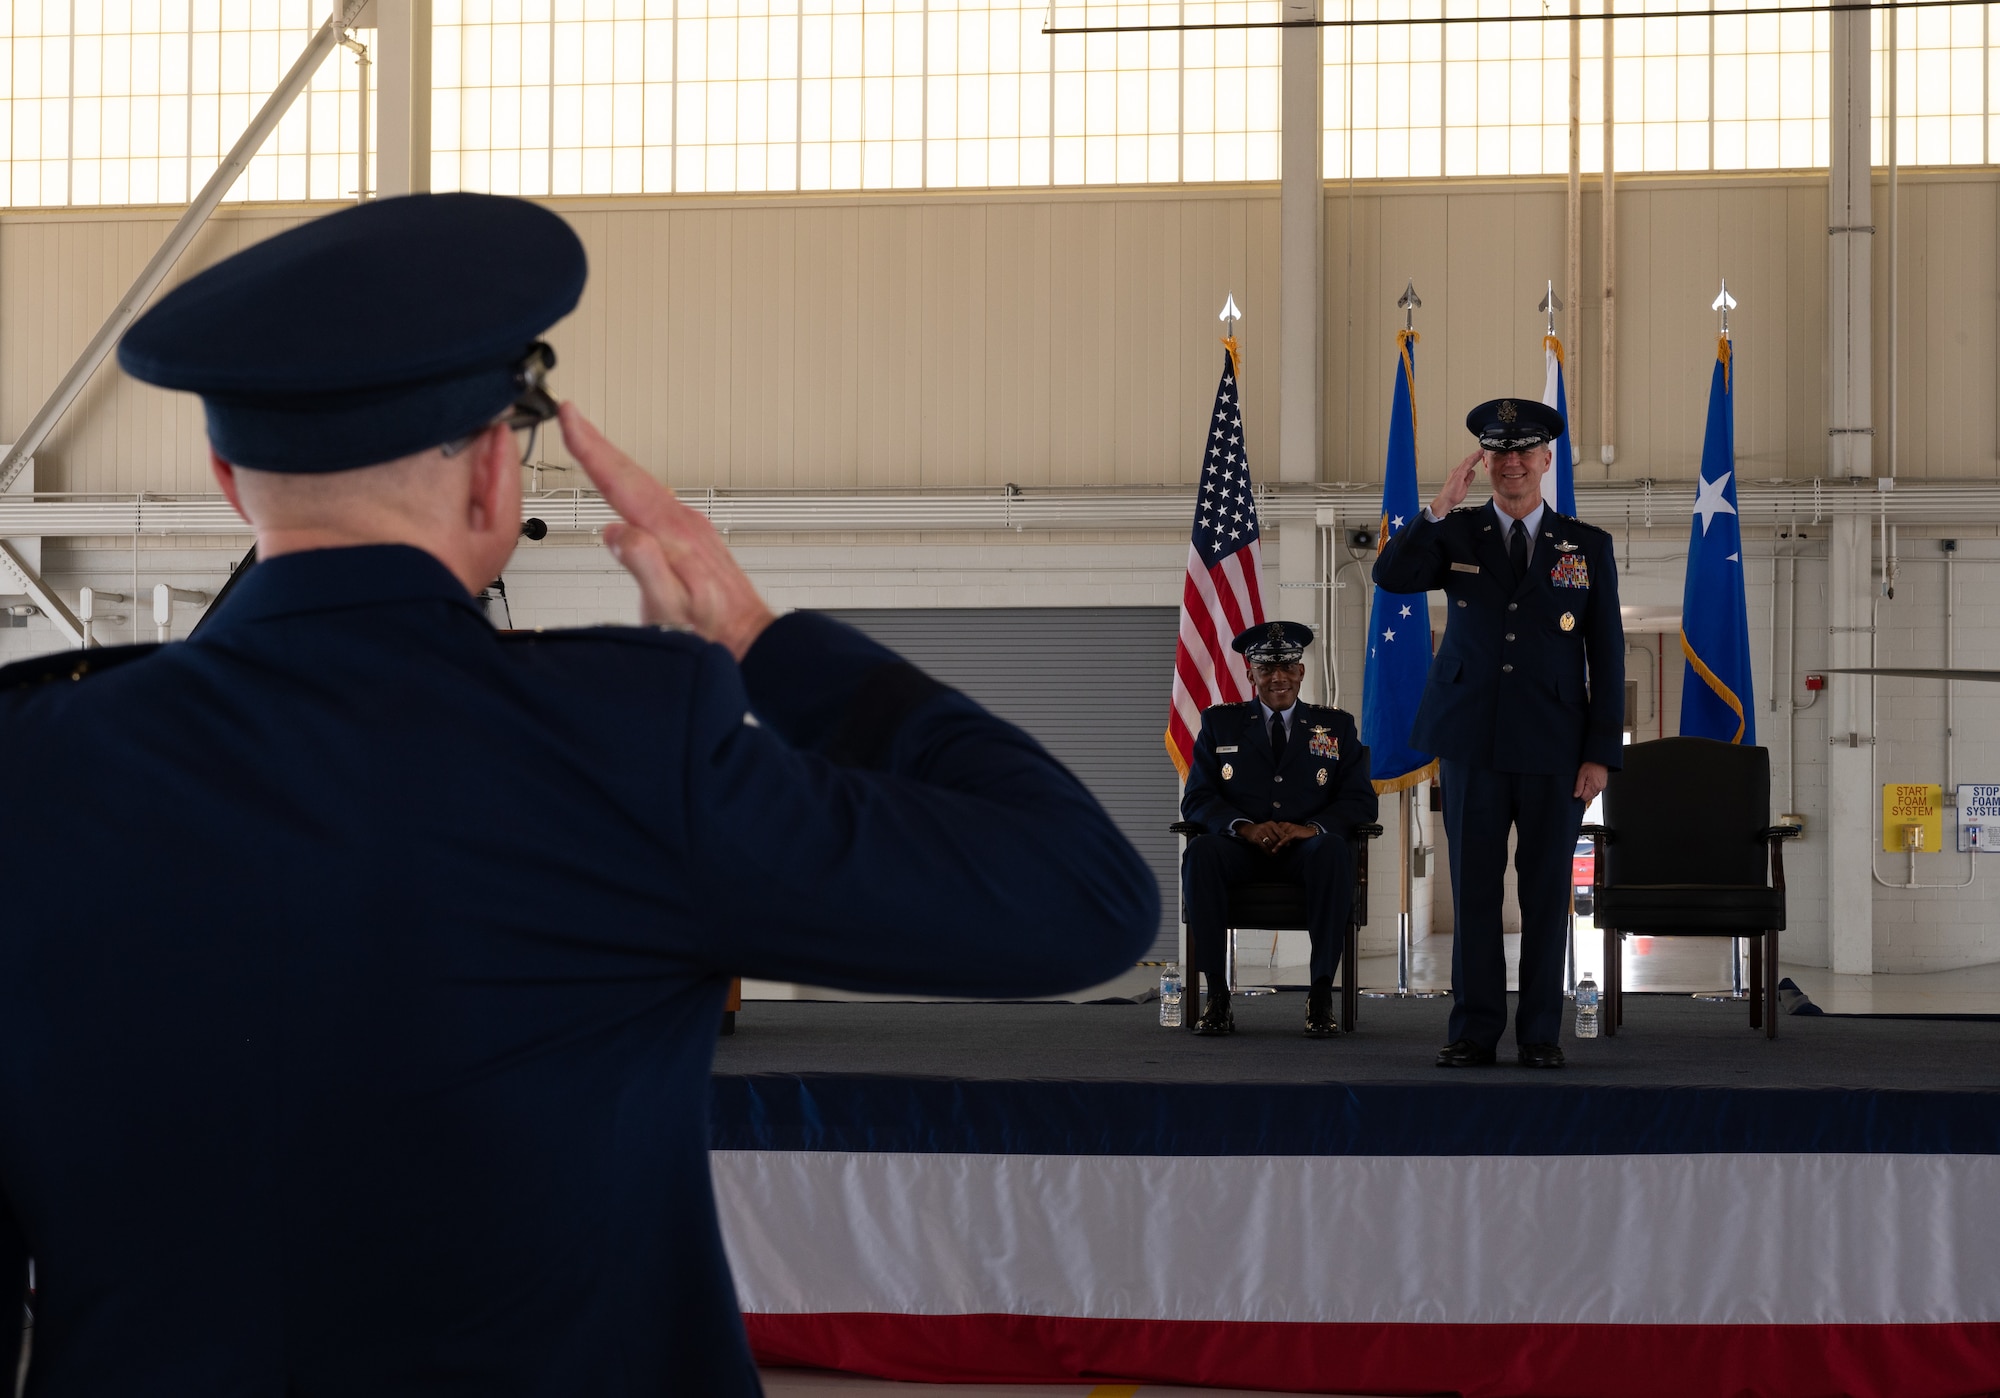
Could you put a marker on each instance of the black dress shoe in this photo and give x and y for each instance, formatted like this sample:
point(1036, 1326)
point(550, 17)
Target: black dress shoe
point(1216, 1019)
point(1319, 1010)
point(1463, 1053)
point(1541, 1055)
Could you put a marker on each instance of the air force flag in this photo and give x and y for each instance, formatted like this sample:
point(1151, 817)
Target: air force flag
point(1399, 626)
point(1715, 629)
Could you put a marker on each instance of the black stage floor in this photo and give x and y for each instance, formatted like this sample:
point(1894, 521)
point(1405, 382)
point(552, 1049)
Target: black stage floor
point(1667, 1041)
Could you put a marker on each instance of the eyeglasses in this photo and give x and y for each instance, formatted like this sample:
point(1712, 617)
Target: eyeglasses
point(533, 404)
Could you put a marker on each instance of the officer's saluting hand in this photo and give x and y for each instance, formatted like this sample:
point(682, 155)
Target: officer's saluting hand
point(1524, 707)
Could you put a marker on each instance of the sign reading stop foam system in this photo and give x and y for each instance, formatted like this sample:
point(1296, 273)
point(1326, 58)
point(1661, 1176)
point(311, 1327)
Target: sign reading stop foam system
point(1356, 1238)
point(1978, 818)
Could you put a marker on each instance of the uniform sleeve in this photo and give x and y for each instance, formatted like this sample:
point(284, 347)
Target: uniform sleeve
point(1604, 649)
point(1357, 803)
point(1413, 559)
point(1202, 800)
point(13, 1292)
point(877, 831)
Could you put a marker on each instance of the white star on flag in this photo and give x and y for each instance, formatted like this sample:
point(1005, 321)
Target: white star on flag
point(1406, 611)
point(1397, 523)
point(1388, 635)
point(1708, 501)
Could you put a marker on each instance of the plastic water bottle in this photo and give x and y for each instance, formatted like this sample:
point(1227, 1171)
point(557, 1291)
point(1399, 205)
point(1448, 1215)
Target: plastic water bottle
point(1586, 1008)
point(1170, 997)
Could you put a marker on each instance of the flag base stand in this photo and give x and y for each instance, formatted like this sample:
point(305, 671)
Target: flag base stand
point(1229, 973)
point(1736, 991)
point(1405, 806)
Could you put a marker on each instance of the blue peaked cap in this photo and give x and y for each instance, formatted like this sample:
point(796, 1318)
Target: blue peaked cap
point(370, 334)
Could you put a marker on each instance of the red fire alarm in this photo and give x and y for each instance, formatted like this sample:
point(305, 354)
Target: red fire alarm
point(1815, 682)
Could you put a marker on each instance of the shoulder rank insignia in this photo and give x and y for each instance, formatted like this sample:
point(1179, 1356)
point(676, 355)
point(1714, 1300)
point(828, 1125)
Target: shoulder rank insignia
point(1227, 771)
point(1323, 743)
point(1570, 571)
point(69, 665)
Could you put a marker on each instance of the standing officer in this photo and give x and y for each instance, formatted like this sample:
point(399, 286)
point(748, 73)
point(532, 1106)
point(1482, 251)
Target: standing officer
point(1524, 708)
point(1279, 784)
point(381, 1067)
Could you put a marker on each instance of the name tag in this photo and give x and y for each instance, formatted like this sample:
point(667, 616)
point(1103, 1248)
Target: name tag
point(1230, 748)
point(1465, 567)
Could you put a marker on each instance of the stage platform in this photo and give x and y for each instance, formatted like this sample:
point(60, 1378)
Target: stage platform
point(1666, 1041)
point(1046, 1193)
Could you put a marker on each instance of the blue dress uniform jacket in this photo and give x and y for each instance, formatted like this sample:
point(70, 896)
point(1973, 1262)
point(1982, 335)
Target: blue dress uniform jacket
point(362, 970)
point(1516, 687)
point(1231, 776)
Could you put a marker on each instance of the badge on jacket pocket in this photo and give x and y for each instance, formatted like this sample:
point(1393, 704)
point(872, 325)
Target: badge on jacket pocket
point(1227, 771)
point(1321, 778)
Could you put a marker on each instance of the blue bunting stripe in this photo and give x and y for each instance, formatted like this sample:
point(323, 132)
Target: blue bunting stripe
point(843, 1112)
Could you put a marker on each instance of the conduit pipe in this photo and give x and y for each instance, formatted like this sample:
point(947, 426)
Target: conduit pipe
point(1607, 378)
point(162, 262)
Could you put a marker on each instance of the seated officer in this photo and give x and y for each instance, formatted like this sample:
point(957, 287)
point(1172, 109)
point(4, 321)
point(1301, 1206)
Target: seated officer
point(383, 1069)
point(1279, 784)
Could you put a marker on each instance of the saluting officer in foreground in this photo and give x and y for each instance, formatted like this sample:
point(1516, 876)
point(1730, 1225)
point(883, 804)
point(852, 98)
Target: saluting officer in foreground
point(1279, 784)
point(1525, 709)
point(381, 1066)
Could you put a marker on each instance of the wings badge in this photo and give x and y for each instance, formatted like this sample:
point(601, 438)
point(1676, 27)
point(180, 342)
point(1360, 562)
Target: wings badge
point(1324, 744)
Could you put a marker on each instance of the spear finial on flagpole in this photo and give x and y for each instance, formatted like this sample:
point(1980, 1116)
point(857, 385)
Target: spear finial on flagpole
point(1551, 303)
point(1230, 315)
point(1724, 303)
point(1409, 301)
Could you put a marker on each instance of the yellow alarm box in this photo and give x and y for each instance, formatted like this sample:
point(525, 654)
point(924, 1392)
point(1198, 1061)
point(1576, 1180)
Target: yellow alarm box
point(1913, 817)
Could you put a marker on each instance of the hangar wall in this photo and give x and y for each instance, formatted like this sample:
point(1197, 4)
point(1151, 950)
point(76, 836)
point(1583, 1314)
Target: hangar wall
point(1068, 338)
point(961, 341)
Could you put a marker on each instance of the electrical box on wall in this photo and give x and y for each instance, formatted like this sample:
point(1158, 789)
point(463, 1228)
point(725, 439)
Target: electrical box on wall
point(1978, 818)
point(1913, 817)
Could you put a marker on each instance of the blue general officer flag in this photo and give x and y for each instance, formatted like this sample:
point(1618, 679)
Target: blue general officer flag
point(1399, 625)
point(1715, 627)
point(1559, 481)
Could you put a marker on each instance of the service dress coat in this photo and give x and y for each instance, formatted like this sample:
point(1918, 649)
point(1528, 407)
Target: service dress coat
point(1529, 677)
point(1323, 781)
point(362, 968)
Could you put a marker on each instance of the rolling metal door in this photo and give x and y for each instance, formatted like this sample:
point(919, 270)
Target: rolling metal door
point(1089, 683)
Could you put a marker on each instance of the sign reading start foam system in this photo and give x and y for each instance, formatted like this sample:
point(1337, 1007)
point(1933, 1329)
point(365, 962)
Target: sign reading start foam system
point(1913, 804)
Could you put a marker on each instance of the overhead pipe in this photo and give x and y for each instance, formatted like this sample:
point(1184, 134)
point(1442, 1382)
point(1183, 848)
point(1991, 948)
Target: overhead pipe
point(162, 262)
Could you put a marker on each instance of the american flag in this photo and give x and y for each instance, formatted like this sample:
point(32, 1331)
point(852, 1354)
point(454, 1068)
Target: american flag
point(1221, 596)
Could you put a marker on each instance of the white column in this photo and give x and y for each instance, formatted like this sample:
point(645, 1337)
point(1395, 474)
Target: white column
point(1298, 566)
point(402, 54)
point(1301, 255)
point(1851, 800)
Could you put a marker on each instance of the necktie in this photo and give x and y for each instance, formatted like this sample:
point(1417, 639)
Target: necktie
point(1517, 550)
point(1277, 740)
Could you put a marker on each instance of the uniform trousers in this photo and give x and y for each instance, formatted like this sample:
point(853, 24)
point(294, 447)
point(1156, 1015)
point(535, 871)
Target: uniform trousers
point(1480, 805)
point(1214, 864)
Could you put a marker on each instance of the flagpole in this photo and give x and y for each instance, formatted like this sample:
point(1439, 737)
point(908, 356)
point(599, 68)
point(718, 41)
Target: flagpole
point(1550, 304)
point(1406, 805)
point(1722, 305)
